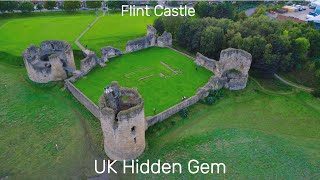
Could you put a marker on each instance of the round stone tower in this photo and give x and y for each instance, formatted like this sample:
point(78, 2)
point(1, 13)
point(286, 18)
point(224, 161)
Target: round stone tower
point(123, 122)
point(53, 61)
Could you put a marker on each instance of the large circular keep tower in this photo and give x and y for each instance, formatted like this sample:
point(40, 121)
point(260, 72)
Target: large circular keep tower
point(123, 122)
point(53, 61)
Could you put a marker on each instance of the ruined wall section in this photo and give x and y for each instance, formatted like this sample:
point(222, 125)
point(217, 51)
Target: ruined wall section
point(148, 41)
point(84, 100)
point(206, 62)
point(165, 40)
point(109, 52)
point(88, 63)
point(234, 66)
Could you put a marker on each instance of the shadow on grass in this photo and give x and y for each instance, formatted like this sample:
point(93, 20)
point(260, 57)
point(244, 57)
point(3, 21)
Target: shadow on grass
point(78, 56)
point(11, 59)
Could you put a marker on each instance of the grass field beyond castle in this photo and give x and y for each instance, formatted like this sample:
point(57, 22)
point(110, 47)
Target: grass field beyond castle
point(142, 69)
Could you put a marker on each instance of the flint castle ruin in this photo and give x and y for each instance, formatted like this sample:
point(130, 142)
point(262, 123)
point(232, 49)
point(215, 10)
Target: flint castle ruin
point(121, 110)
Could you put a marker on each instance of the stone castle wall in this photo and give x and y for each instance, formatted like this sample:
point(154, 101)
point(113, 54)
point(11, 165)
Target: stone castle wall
point(84, 100)
point(232, 68)
point(164, 40)
point(88, 63)
point(202, 93)
point(205, 62)
point(234, 65)
point(151, 39)
point(109, 52)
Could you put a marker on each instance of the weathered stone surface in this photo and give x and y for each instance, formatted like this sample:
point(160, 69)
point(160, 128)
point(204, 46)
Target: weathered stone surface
point(151, 30)
point(123, 122)
point(53, 61)
point(231, 71)
point(89, 62)
point(206, 62)
point(109, 52)
point(165, 40)
point(234, 64)
point(144, 42)
point(235, 59)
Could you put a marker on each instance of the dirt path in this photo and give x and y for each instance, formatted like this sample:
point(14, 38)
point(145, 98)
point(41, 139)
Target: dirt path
point(269, 91)
point(83, 49)
point(293, 84)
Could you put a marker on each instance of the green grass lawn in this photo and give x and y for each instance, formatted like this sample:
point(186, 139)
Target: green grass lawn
point(19, 33)
point(256, 134)
point(158, 92)
point(116, 30)
point(34, 119)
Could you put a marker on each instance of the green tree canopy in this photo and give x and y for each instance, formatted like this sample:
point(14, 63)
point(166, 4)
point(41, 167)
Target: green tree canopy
point(115, 4)
point(49, 5)
point(26, 6)
point(8, 6)
point(71, 5)
point(94, 4)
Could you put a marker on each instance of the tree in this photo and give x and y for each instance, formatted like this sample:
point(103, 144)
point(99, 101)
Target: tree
point(202, 8)
point(115, 4)
point(153, 3)
point(300, 48)
point(314, 38)
point(212, 40)
point(49, 5)
point(316, 93)
point(71, 5)
point(8, 6)
point(223, 10)
point(158, 24)
point(94, 4)
point(39, 7)
point(242, 15)
point(26, 6)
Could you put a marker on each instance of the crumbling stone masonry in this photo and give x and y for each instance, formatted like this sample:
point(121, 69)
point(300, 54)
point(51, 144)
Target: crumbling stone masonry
point(123, 122)
point(89, 62)
point(109, 52)
point(165, 40)
point(144, 42)
point(234, 65)
point(151, 39)
point(206, 62)
point(231, 71)
point(53, 61)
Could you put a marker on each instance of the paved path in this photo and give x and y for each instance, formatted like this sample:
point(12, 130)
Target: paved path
point(293, 84)
point(83, 49)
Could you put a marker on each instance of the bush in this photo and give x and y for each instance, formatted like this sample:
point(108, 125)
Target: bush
point(214, 96)
point(210, 100)
point(316, 93)
point(184, 113)
point(218, 94)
